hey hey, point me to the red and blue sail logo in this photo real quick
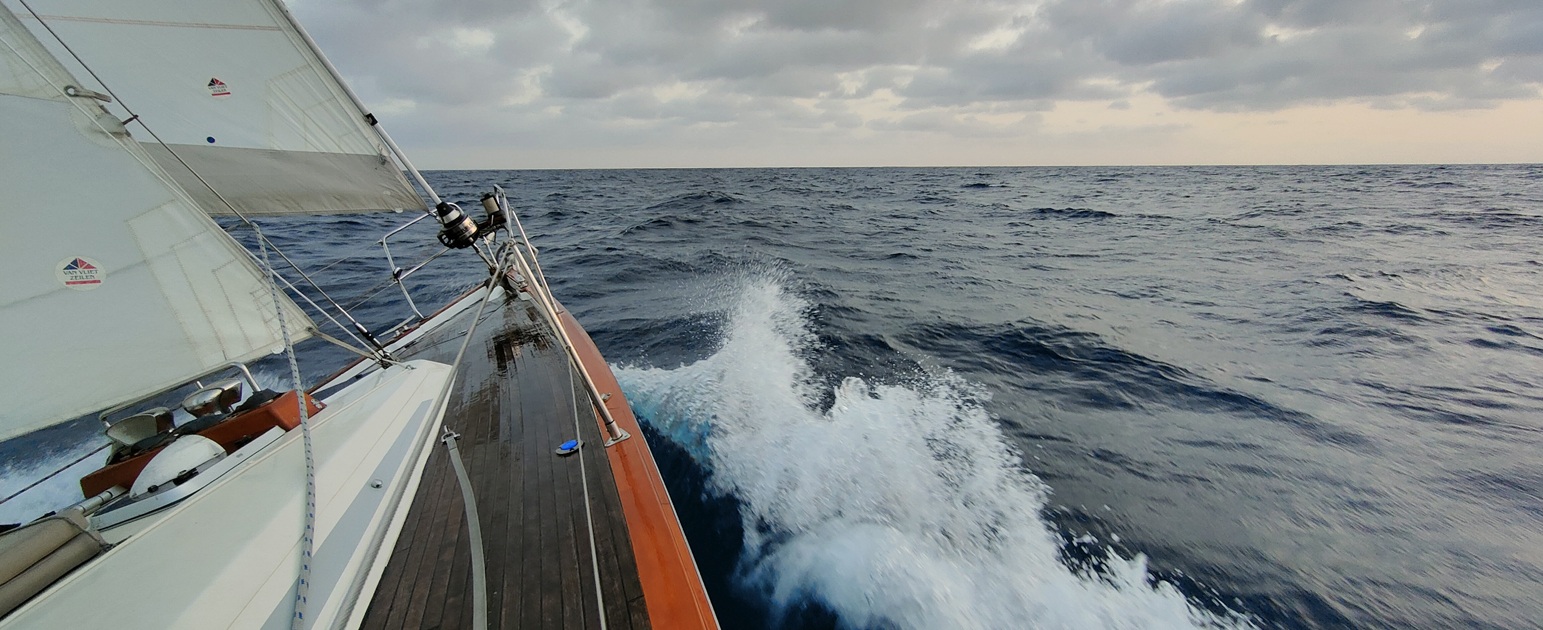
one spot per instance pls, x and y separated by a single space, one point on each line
218 87
80 273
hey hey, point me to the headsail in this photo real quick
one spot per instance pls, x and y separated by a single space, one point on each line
233 88
114 284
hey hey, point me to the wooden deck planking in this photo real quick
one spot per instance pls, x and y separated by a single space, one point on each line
513 403
622 598
667 573
494 486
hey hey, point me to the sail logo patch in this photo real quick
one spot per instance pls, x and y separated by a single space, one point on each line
79 273
218 88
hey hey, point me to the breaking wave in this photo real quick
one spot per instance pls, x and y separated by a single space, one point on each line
899 506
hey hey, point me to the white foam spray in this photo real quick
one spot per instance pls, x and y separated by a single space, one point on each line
901 506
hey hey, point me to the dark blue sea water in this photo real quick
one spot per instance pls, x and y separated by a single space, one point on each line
1299 397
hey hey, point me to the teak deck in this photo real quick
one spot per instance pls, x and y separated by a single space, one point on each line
513 403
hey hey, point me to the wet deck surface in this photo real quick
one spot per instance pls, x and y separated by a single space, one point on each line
513 404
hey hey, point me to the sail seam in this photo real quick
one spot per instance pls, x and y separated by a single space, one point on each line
95 115
163 175
309 45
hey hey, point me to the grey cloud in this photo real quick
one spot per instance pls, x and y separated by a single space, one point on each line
958 126
1521 71
790 83
1334 64
799 15
1142 33
591 78
808 64
1308 14
992 79
415 57
841 15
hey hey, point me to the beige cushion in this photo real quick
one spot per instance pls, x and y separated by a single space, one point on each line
37 555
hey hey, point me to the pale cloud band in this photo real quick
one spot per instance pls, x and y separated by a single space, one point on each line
814 82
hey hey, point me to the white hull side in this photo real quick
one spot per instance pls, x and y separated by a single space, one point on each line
229 556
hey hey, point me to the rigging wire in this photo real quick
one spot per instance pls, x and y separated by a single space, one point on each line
317 331
375 290
133 117
264 245
308 534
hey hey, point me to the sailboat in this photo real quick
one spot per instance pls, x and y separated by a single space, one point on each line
477 466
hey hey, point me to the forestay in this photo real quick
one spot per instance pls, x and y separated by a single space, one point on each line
115 285
233 89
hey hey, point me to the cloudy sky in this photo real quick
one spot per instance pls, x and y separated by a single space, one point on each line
668 83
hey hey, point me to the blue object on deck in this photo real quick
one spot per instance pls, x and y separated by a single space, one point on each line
567 448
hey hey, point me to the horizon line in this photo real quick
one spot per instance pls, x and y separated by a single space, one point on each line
985 166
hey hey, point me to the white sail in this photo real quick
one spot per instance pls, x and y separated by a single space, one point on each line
234 89
115 284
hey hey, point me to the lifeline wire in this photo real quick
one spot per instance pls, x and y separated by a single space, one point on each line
317 331
55 473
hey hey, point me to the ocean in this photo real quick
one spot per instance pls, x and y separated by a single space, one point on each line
1126 397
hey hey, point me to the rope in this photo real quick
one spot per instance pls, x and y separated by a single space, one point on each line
308 535
479 571
479 561
345 345
589 518
355 590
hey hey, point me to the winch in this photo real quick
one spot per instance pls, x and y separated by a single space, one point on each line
459 231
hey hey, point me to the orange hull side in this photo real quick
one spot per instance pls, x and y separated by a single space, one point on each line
672 587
